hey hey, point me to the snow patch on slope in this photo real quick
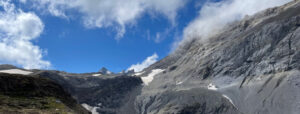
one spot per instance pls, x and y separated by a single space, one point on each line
15 71
229 99
139 73
212 87
148 79
90 108
108 72
178 83
96 75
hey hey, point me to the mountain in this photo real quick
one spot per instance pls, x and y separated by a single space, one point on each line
7 66
103 70
97 92
250 67
252 64
34 95
108 94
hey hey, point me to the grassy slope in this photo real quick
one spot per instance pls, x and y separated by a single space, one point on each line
34 95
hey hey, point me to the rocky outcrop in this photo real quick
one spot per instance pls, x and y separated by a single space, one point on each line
193 101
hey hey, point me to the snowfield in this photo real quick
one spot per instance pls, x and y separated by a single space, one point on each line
212 87
96 75
15 71
148 79
229 99
108 72
178 83
90 108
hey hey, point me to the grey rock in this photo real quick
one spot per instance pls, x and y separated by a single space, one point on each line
104 71
254 63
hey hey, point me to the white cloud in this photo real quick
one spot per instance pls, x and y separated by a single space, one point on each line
17 29
167 7
215 15
157 38
111 13
160 36
23 1
140 66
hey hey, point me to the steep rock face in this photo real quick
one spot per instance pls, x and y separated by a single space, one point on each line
254 63
193 101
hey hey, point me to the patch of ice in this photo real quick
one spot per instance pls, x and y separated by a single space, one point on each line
108 72
212 87
229 99
178 83
150 76
90 108
15 71
96 75
139 73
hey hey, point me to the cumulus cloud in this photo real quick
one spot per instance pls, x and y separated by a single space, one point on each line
213 16
17 29
167 7
147 62
111 13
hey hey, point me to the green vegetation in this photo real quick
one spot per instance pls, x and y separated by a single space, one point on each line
45 105
21 94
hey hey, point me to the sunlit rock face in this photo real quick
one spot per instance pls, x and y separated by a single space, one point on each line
103 94
254 65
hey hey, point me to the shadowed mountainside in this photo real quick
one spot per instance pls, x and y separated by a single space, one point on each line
30 94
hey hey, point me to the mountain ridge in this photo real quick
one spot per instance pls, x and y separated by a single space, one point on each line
252 66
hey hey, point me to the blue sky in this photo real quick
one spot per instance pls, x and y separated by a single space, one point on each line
72 47
83 36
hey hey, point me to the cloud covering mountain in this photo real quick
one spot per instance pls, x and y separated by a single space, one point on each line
213 16
147 62
21 24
